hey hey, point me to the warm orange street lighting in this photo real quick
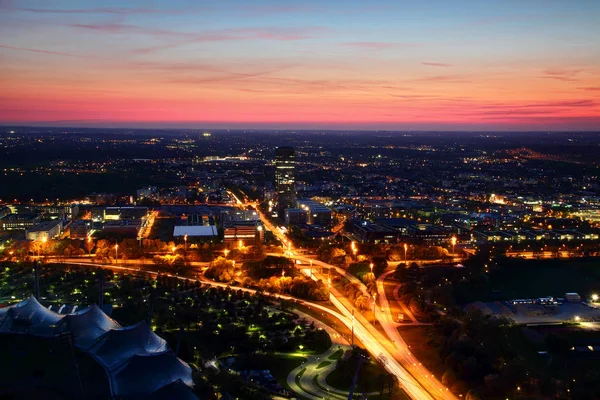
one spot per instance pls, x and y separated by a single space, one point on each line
226 252
185 240
405 249
117 253
240 244
371 265
173 249
453 241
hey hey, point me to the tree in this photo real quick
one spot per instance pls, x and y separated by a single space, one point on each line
449 377
472 395
401 272
102 247
89 245
329 253
380 264
363 302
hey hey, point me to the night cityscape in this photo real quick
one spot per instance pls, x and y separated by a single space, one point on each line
299 200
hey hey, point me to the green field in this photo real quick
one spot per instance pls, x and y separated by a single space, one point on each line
280 365
516 278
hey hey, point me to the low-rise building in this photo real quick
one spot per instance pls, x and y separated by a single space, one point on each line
45 230
196 231
295 216
19 221
366 232
240 215
249 233
148 192
79 229
317 213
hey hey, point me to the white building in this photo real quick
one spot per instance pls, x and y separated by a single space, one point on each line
45 230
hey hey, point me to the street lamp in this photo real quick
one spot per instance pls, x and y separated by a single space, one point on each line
226 252
453 241
352 327
173 249
595 297
405 249
44 240
371 265
89 240
117 253
185 241
374 297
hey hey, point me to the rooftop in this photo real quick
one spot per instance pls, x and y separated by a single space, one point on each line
201 230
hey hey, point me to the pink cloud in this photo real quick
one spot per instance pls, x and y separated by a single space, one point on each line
101 10
566 75
4 46
444 79
591 88
434 64
178 38
379 45
271 33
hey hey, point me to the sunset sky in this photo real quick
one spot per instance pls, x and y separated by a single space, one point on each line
401 65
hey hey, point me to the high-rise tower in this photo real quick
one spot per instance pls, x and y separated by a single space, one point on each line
285 165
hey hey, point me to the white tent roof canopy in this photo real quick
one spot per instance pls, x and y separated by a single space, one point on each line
88 325
150 372
137 361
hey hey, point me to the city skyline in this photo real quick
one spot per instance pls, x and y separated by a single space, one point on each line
519 65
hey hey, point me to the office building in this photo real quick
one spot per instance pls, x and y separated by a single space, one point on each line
296 216
240 215
45 230
317 213
19 221
285 165
249 233
79 229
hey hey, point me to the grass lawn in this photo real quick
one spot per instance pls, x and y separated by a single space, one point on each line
323 364
337 355
417 337
369 380
279 365
31 364
369 373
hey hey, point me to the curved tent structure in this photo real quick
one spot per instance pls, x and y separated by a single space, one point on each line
29 316
174 391
149 373
118 345
88 325
136 360
3 314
